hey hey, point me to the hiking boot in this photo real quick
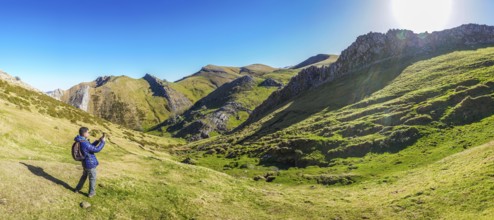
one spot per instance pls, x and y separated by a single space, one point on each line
91 195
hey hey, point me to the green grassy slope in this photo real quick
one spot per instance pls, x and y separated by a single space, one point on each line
427 110
138 180
206 80
124 100
130 102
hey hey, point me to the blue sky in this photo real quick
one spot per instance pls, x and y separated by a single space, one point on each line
57 44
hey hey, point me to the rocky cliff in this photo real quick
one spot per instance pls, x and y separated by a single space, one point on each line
80 98
373 48
177 102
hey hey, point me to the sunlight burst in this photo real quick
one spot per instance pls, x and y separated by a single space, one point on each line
422 15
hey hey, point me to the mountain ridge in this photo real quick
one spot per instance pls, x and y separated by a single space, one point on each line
371 48
149 108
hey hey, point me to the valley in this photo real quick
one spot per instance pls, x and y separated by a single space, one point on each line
398 126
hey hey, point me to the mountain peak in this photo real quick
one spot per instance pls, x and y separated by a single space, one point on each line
102 80
312 60
216 68
256 69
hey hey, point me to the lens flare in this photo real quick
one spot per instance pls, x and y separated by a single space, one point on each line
422 15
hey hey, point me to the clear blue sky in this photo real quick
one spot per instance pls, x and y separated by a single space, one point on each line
56 44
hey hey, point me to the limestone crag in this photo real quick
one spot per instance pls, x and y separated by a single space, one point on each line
80 99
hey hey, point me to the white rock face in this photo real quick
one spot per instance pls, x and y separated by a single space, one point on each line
81 98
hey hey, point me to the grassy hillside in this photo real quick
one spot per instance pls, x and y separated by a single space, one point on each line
206 80
137 180
129 102
123 100
367 126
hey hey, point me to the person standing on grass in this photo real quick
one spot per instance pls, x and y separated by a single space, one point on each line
90 162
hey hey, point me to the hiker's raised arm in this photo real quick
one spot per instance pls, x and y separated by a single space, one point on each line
95 149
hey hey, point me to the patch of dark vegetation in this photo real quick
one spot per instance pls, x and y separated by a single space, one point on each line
326 179
268 177
189 160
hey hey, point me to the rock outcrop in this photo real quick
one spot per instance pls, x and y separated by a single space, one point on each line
177 101
80 98
271 82
373 48
56 94
102 80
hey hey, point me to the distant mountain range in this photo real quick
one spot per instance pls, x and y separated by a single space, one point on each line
147 103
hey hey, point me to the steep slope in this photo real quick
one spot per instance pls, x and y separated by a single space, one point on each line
318 60
227 106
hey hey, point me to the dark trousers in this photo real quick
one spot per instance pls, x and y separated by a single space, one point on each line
92 180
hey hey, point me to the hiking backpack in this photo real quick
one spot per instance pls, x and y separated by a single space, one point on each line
77 152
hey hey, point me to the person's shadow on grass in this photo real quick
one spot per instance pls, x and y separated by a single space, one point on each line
38 171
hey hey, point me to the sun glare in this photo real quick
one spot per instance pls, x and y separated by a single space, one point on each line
422 15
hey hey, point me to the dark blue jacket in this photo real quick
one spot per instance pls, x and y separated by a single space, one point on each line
88 150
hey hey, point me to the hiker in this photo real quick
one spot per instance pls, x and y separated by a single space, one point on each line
89 163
